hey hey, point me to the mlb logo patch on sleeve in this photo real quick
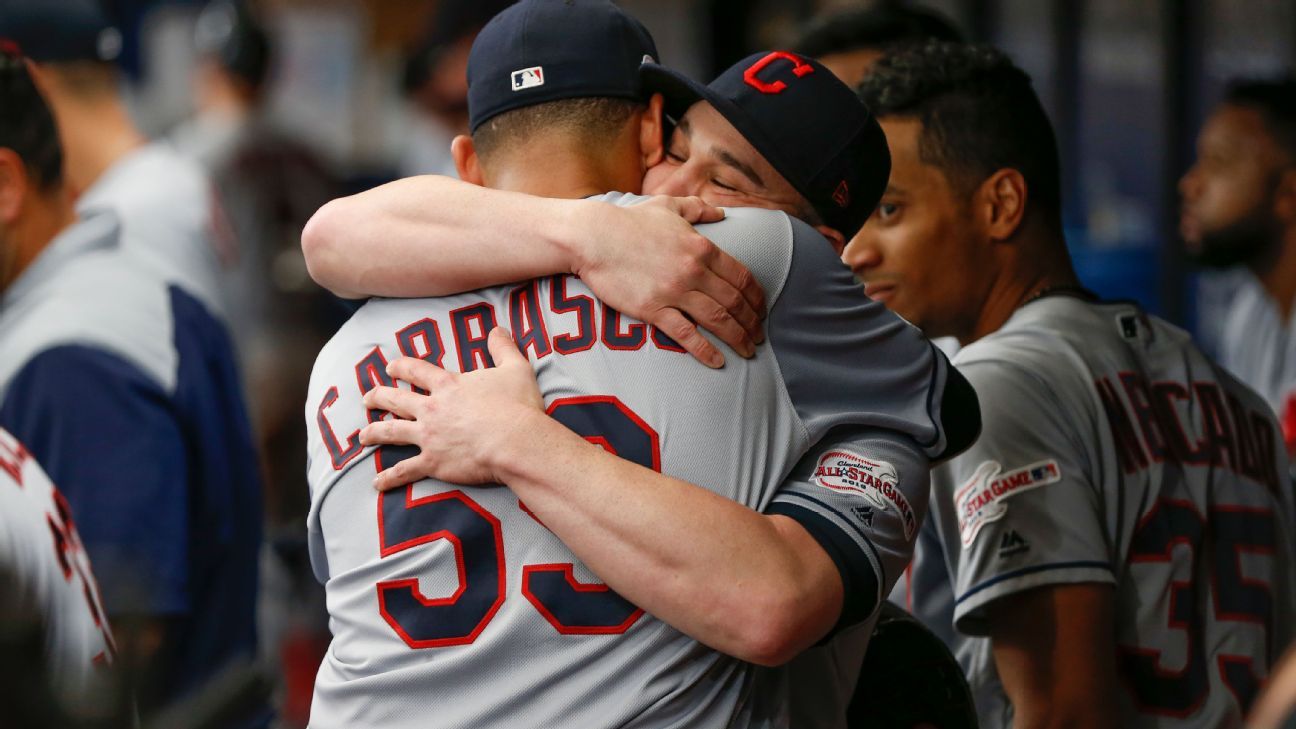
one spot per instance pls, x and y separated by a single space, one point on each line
850 473
983 498
528 78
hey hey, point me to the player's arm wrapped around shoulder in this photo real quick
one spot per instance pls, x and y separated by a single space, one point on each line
862 495
1021 508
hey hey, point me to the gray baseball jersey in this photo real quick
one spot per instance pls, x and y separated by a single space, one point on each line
1115 452
47 576
1259 347
170 215
454 607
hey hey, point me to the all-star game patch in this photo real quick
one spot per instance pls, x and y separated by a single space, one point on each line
850 473
983 498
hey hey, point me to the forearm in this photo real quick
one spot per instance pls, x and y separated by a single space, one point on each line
753 586
435 236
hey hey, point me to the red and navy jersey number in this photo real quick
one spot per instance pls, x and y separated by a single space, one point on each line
572 607
1221 536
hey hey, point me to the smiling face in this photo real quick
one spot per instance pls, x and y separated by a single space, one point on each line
709 158
921 253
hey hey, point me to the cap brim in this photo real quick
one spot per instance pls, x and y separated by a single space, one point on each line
678 91
681 92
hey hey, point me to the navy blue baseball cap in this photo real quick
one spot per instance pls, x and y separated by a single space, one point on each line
546 50
809 125
59 30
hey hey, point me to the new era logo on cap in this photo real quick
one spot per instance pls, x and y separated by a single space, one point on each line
528 78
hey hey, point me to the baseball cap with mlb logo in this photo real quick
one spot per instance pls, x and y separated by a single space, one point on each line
546 50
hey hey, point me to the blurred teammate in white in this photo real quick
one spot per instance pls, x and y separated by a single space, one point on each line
1119 540
759 586
1239 210
47 575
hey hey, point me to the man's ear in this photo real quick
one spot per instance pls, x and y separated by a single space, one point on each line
1000 203
466 161
834 237
13 186
651 129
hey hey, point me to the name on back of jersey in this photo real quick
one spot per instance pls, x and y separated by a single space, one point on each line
543 323
850 473
1193 423
983 499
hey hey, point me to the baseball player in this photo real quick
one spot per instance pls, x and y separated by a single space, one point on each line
48 576
1119 540
1238 202
425 592
166 203
123 387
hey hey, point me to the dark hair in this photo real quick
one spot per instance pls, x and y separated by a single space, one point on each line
228 32
1276 102
26 123
594 122
879 27
979 114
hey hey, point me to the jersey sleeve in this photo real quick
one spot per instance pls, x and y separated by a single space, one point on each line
848 361
1019 509
861 495
105 433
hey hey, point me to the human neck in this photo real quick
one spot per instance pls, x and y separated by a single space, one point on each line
561 172
1030 268
96 134
32 233
1279 277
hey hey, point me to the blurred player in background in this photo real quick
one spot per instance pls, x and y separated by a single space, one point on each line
47 575
164 201
436 83
1119 538
1239 208
850 41
583 630
123 386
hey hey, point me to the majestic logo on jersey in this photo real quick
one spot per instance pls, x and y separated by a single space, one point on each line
528 78
982 499
1012 543
851 473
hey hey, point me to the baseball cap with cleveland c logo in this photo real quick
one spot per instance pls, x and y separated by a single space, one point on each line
808 124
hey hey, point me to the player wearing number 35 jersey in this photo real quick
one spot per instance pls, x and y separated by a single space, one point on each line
1119 541
1167 480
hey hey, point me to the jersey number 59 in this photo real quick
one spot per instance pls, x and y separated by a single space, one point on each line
573 608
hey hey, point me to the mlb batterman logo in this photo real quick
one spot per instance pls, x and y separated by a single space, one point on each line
851 473
983 499
528 78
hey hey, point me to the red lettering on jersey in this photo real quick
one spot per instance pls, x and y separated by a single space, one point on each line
528 324
631 339
12 457
1129 451
1136 389
422 340
473 353
339 455
583 307
752 74
1231 436
1216 427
